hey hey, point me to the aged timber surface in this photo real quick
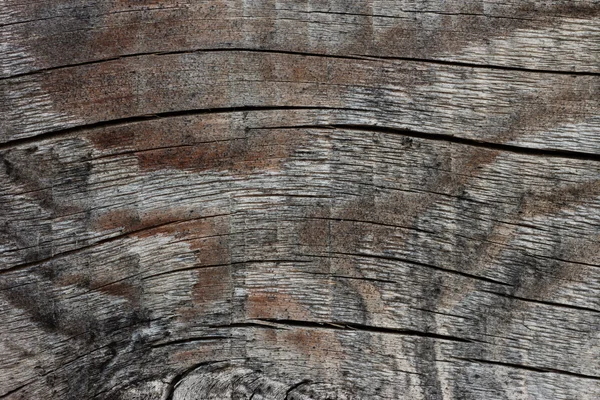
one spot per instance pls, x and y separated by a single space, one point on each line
300 200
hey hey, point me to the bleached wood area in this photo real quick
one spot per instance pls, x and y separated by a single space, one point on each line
317 199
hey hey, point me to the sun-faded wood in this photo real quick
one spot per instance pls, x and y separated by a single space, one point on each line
319 200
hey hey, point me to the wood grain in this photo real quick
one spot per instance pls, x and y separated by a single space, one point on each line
300 200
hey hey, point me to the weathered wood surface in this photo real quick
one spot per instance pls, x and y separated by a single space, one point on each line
300 200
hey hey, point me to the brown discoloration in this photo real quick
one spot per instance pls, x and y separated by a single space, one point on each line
211 251
545 281
151 20
163 133
212 286
415 37
112 29
457 167
392 231
314 233
194 228
557 199
177 222
210 295
101 91
562 9
373 221
207 239
402 208
60 278
199 145
275 305
313 344
259 151
119 139
124 219
468 165
545 110
370 294
351 236
78 315
127 290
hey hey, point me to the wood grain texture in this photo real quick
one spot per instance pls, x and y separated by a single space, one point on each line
300 200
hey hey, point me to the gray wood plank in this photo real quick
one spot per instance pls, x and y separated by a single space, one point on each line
299 200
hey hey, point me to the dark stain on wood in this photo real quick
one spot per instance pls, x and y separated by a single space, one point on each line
254 151
51 177
557 199
460 32
275 305
314 345
212 288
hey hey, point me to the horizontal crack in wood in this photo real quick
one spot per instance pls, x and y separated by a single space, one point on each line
351 326
156 116
98 243
543 302
568 154
190 340
529 368
362 57
421 264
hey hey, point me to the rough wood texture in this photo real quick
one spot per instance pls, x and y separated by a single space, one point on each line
300 200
